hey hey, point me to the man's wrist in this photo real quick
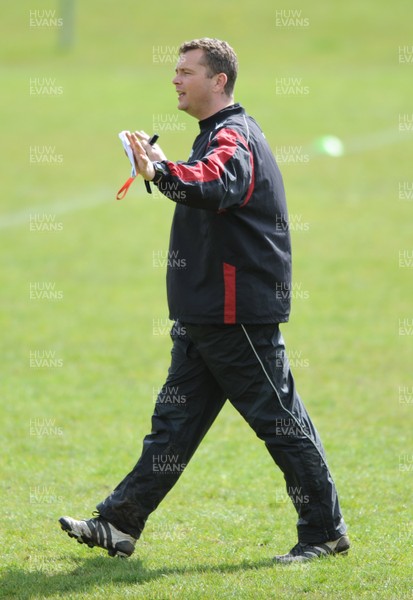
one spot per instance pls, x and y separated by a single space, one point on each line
160 171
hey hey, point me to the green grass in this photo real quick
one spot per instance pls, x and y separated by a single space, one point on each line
215 534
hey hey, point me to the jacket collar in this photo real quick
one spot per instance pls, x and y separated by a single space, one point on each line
221 115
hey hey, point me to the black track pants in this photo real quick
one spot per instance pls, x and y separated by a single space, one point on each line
248 365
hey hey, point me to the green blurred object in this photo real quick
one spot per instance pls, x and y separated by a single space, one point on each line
67 30
330 145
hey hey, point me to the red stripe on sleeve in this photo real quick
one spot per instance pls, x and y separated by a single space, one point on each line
230 294
212 166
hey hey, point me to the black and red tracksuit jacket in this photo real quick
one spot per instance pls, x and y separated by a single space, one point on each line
229 257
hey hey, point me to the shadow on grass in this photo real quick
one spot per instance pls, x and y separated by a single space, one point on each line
90 572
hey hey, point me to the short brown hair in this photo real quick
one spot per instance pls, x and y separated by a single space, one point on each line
219 58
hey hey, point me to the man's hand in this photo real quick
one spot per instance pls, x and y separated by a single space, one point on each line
154 152
143 163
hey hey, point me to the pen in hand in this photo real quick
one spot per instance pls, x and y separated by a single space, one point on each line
151 141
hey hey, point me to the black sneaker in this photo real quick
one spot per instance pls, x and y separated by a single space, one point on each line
98 532
306 552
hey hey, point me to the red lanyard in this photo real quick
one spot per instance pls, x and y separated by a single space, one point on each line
124 189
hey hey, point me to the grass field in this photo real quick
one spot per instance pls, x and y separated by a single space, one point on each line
84 314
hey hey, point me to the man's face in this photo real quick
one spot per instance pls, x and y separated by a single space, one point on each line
194 87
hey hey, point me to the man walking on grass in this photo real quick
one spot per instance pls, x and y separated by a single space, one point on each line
227 299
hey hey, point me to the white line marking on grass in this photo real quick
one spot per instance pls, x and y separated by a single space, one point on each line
375 140
369 141
93 198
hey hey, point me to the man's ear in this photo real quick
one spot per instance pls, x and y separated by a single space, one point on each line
221 82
